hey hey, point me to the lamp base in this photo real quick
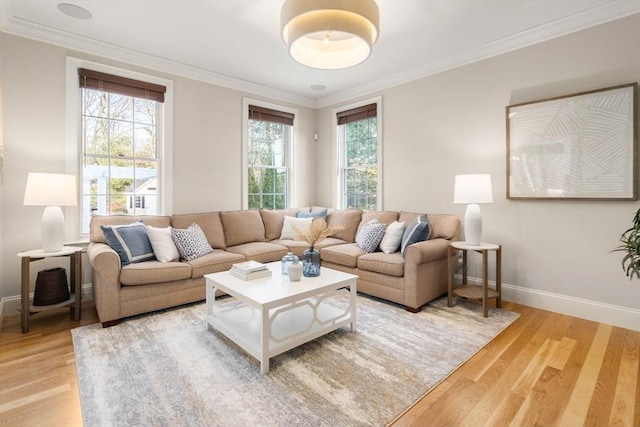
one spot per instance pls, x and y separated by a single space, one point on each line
473 225
52 229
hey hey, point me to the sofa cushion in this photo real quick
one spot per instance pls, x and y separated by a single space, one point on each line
379 262
349 218
418 231
162 243
273 221
346 254
445 226
149 272
130 241
242 227
213 262
260 251
209 222
191 242
383 217
96 234
301 224
370 236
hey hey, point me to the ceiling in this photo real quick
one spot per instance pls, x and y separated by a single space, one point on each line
237 43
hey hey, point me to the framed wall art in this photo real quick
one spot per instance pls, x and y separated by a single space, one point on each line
577 147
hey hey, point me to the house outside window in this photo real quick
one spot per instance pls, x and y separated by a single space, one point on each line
269 140
120 137
359 158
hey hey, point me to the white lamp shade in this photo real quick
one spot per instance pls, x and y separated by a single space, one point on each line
473 188
329 34
50 189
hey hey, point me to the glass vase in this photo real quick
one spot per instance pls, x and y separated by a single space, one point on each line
311 263
286 261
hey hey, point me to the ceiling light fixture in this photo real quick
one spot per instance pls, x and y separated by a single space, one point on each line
329 34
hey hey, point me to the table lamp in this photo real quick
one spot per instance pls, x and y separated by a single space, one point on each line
52 190
473 189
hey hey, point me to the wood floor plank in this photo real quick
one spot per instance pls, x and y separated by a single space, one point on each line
622 408
538 372
504 373
578 406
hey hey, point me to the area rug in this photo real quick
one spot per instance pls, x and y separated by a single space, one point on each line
167 369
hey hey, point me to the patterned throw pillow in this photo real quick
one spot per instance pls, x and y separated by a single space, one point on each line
130 241
417 231
191 242
370 236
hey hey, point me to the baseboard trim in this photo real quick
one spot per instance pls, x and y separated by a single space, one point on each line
9 306
615 315
610 314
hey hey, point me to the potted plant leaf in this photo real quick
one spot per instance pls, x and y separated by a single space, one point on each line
631 247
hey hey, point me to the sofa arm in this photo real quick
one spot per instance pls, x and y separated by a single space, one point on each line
427 251
105 278
425 272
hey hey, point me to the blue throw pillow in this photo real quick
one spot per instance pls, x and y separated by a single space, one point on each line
418 231
130 241
322 213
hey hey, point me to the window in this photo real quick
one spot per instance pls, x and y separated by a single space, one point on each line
359 158
120 139
268 154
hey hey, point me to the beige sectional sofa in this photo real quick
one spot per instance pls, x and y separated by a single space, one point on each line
235 236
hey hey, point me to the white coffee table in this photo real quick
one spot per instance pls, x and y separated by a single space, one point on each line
271 315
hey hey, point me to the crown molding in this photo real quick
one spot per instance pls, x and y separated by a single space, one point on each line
580 21
22 28
599 15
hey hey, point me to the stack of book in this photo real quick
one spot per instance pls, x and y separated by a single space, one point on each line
249 270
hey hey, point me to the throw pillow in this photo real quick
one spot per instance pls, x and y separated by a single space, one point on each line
130 241
370 236
162 244
322 213
417 231
288 232
191 242
392 237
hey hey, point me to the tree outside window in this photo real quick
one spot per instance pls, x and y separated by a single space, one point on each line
358 135
120 161
268 142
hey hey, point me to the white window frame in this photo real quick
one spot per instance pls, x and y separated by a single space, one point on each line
339 152
290 159
74 138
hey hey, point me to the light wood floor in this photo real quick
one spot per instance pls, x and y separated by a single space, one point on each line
546 369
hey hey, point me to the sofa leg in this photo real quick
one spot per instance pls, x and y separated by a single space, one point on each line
412 310
110 323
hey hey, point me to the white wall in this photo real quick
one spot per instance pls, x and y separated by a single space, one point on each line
207 138
454 123
556 254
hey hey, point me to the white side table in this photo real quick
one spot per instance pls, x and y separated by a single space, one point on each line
482 293
75 283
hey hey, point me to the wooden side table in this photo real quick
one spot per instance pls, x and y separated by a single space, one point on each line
75 283
482 293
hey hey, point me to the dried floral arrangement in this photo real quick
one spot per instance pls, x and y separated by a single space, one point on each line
318 231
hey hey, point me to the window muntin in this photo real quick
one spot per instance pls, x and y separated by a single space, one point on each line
269 137
120 160
359 160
